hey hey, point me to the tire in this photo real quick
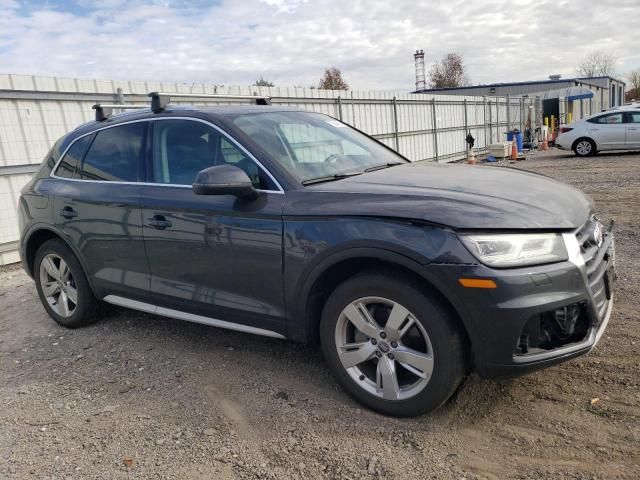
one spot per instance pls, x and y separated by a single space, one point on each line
58 286
389 350
584 147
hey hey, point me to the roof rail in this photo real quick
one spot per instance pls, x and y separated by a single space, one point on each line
103 112
160 100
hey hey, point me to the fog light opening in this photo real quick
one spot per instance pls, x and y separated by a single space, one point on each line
554 329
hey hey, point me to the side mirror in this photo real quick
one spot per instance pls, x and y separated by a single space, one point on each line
223 180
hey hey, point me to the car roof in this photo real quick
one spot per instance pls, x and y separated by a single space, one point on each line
619 109
622 108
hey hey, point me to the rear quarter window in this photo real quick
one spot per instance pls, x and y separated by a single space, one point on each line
69 167
116 154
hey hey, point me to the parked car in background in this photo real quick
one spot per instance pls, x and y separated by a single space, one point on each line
616 129
280 222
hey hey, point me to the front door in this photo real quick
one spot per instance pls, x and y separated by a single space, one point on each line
609 131
633 130
214 257
97 206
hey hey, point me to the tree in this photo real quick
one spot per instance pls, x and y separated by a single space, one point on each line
634 80
597 64
263 83
332 80
448 72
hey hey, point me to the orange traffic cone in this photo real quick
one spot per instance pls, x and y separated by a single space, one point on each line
514 149
471 160
545 143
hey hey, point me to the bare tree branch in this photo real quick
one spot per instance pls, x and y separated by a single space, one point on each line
597 64
634 80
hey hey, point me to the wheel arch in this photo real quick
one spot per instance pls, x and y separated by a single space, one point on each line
36 238
325 277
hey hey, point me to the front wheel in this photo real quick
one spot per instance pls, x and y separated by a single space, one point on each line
584 147
392 346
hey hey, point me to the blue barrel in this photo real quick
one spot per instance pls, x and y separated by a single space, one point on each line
518 135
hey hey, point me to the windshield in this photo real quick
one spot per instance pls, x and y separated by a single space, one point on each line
314 147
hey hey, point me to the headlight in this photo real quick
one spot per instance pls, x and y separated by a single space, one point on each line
516 250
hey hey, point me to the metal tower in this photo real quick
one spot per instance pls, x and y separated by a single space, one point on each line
420 79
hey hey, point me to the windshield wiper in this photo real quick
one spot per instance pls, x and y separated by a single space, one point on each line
330 178
384 165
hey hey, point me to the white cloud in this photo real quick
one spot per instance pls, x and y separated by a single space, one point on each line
291 41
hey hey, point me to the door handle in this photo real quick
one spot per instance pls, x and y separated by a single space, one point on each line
68 212
159 222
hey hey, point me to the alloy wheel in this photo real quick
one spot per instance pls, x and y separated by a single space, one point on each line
58 285
384 348
584 147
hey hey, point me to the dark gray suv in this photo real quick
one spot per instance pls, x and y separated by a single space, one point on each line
291 224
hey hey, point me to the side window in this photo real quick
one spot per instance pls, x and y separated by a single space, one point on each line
117 154
54 154
612 118
69 167
634 117
182 148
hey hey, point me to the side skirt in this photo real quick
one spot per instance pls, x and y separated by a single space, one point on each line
189 317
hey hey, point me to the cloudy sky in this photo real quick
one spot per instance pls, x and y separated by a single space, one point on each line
289 42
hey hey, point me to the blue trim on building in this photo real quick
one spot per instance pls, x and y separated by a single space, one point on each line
580 97
584 80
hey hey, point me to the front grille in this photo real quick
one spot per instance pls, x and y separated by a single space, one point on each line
596 258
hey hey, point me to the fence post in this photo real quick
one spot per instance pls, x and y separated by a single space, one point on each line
339 102
395 123
435 127
353 111
508 112
484 120
498 136
490 123
522 114
466 128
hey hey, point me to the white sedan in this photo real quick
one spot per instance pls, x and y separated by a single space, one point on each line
617 129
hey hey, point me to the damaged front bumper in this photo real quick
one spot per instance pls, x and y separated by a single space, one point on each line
540 316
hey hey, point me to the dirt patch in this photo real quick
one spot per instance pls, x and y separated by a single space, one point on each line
138 396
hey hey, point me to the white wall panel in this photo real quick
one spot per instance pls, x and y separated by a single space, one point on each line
29 126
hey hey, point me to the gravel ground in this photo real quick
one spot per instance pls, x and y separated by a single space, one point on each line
137 396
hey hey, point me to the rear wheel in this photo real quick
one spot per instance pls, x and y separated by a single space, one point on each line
392 346
62 286
584 147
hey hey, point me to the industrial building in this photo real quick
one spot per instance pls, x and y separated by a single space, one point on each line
559 96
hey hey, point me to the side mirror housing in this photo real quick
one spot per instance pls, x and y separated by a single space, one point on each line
223 180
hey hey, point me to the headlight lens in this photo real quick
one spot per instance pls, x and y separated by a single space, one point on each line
516 250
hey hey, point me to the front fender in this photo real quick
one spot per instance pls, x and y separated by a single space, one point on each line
312 247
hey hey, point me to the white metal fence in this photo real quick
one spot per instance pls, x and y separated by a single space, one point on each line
36 111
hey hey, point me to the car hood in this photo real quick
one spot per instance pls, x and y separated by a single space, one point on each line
459 196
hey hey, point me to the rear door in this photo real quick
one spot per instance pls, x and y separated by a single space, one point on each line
633 130
213 258
97 207
608 130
